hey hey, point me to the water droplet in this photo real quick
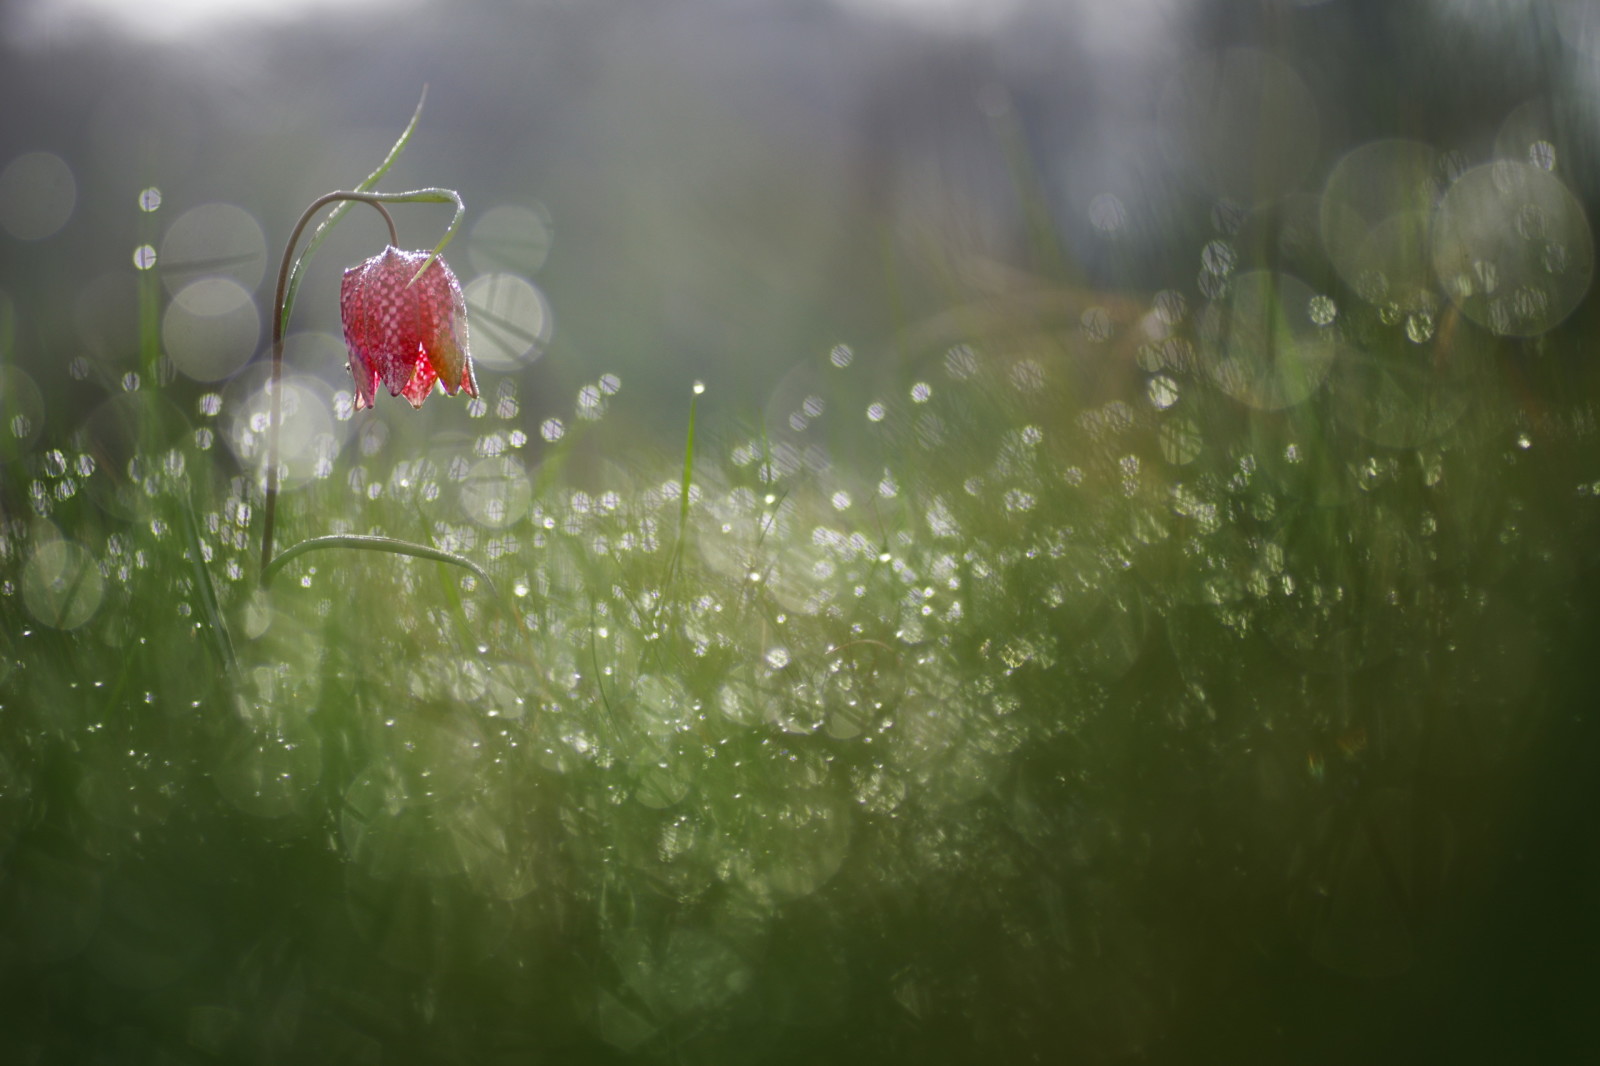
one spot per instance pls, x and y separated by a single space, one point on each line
1218 258
1017 501
1531 222
144 257
588 398
1162 391
37 195
1487 276
1170 306
1555 258
1096 324
1211 286
150 199
961 362
1419 327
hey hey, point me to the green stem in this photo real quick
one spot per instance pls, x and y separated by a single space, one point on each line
280 317
374 544
284 302
366 185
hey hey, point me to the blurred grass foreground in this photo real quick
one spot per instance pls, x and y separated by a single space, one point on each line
1078 673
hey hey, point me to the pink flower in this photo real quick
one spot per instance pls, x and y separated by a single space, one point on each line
406 334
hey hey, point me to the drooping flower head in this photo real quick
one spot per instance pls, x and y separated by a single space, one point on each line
405 334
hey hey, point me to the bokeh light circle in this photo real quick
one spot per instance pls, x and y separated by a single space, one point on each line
37 195
309 438
129 435
496 492
1260 344
21 411
1512 248
511 238
509 319
211 328
61 585
319 354
1377 205
213 239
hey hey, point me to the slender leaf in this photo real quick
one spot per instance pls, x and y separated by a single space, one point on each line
321 232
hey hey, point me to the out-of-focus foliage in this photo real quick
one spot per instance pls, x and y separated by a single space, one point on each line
1164 637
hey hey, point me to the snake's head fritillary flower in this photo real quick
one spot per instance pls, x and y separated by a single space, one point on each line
405 334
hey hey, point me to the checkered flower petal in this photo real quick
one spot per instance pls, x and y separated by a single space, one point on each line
404 334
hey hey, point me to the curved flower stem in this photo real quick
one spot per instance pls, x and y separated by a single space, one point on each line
288 281
377 544
280 318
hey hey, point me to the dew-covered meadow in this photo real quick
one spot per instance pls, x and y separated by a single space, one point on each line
1105 662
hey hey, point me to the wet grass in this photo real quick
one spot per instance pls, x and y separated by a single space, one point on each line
1009 699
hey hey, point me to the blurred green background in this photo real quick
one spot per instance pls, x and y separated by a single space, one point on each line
1125 592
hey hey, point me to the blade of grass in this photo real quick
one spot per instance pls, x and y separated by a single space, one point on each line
451 591
675 561
374 544
319 234
600 680
221 641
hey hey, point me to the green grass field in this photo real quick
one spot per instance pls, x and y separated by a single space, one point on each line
1071 675
967 708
